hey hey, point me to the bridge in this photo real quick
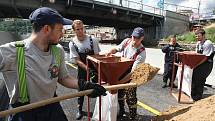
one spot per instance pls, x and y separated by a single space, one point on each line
123 15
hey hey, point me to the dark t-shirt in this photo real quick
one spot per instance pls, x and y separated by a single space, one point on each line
169 52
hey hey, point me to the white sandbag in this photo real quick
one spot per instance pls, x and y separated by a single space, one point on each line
108 108
187 79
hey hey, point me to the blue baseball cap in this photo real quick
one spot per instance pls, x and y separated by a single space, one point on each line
48 16
138 32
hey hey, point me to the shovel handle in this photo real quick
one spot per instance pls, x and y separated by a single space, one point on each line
60 98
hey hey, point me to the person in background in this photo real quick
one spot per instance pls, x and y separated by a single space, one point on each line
44 67
81 46
131 48
169 51
202 71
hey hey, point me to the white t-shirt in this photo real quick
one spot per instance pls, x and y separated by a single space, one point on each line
83 46
39 67
129 51
206 46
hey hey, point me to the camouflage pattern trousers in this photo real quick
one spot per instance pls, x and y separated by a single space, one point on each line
129 95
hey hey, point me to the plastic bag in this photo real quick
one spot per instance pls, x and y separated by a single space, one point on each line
108 107
187 79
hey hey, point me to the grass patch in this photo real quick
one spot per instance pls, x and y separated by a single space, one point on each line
189 37
210 34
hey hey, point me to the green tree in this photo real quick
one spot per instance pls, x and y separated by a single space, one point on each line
19 26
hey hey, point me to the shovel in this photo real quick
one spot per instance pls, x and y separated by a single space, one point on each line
60 98
143 73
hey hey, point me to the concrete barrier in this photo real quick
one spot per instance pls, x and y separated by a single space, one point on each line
6 37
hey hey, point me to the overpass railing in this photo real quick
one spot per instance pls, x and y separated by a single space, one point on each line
134 5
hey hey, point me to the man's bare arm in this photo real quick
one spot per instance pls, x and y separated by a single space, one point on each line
69 82
112 51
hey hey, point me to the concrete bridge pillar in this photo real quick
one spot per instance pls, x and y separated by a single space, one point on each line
122 34
152 34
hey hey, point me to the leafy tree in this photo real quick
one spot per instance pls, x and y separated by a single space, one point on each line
19 26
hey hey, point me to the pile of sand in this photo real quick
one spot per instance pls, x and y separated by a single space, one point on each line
202 110
143 73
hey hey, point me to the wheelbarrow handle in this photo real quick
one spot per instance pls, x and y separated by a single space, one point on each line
60 98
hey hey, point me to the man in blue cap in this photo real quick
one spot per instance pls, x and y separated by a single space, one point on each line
35 77
131 48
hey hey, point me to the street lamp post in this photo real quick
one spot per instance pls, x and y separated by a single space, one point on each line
199 10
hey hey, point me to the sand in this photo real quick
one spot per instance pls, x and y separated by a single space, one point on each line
143 73
202 110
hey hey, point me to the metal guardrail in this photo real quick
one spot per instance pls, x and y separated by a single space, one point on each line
134 5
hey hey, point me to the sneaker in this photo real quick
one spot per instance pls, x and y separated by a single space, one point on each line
164 85
79 115
122 113
133 118
174 86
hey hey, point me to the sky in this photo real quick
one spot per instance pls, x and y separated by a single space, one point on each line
206 6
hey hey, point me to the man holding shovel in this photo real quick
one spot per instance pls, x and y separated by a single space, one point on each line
131 48
33 67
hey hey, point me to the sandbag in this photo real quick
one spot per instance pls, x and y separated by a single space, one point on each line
108 107
187 79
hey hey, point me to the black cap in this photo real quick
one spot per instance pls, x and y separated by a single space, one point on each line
45 15
138 32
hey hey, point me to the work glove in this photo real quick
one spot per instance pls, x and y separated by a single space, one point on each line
98 90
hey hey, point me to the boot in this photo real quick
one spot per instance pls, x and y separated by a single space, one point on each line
132 114
164 85
121 107
79 114
173 86
122 112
